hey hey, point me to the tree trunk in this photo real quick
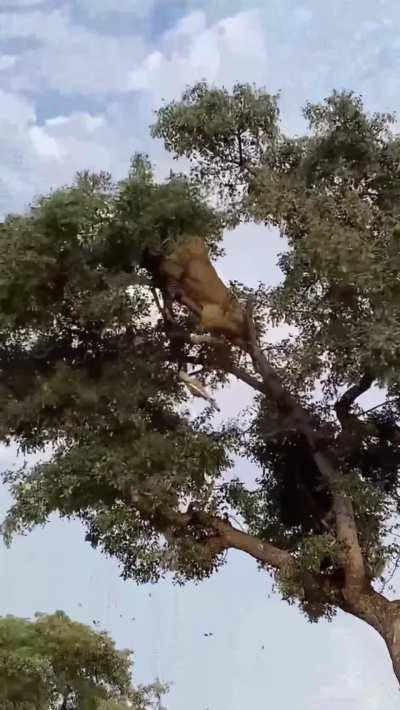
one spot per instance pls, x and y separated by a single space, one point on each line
384 616
391 637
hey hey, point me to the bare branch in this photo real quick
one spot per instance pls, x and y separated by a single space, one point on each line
241 159
272 386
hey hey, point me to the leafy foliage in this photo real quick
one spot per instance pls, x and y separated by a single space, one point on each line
53 662
85 372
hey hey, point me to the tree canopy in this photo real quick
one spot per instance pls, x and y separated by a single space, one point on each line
89 360
54 662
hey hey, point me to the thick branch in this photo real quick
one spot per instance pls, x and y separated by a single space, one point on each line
352 558
218 535
273 387
245 377
166 519
346 401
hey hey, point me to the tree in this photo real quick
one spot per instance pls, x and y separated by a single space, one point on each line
53 662
85 371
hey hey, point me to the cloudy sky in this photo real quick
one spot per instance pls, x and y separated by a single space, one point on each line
79 81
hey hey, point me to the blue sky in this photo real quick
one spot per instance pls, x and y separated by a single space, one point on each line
79 82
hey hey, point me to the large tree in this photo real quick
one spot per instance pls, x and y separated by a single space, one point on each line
94 340
54 662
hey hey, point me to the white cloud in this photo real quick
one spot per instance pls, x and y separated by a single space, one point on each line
20 3
45 145
193 51
37 157
34 24
191 24
69 57
99 8
7 61
15 110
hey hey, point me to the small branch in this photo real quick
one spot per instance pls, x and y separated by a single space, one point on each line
391 575
242 162
354 428
382 404
157 301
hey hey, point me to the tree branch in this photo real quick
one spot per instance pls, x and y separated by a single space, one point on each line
242 162
241 159
272 386
245 377
222 535
346 529
346 401
167 519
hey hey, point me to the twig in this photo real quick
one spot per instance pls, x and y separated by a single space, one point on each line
393 572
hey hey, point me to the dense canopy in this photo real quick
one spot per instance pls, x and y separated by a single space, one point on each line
90 357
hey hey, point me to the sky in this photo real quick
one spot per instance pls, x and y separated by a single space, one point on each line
79 82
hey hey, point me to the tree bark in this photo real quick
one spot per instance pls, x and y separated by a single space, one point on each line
393 645
391 633
384 616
